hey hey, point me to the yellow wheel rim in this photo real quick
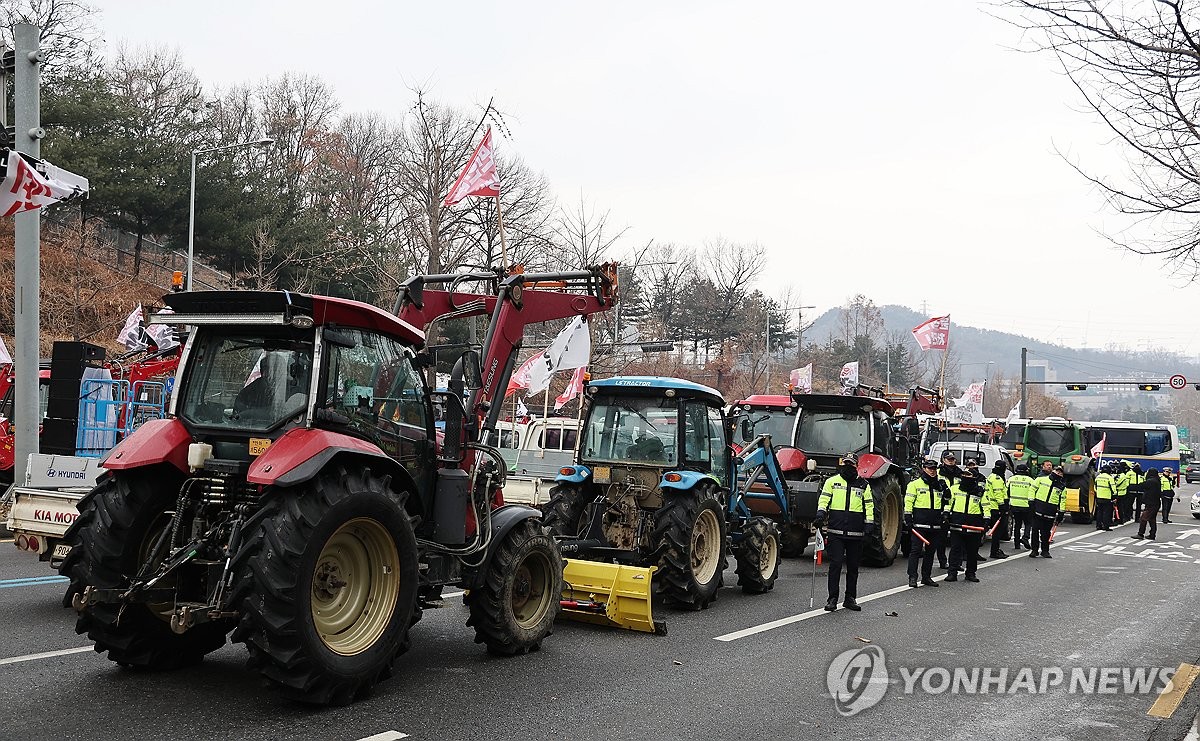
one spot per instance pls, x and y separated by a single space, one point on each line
768 555
531 593
706 546
355 586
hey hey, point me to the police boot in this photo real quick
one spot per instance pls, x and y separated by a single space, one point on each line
831 604
999 554
952 576
972 577
930 583
850 604
912 582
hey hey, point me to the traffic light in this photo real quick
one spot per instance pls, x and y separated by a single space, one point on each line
1076 387
1148 387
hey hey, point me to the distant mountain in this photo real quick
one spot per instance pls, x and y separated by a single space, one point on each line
976 347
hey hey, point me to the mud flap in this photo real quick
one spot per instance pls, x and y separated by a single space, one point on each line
614 595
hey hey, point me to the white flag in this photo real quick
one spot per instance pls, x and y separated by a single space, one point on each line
26 189
849 377
131 333
1013 414
163 334
571 349
522 410
800 380
5 358
968 408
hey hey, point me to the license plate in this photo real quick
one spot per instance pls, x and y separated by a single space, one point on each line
602 474
259 445
62 550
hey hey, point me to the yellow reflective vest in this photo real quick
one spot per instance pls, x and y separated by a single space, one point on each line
1106 486
996 491
924 502
849 508
1020 491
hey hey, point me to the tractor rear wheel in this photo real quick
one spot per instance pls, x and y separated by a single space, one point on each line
794 540
119 522
690 527
514 608
758 555
327 582
566 512
881 547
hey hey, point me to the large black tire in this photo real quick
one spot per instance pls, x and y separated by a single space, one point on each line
1086 484
794 540
514 608
690 527
109 540
881 547
758 554
566 510
309 635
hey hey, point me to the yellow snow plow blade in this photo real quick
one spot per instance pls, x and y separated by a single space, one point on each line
609 594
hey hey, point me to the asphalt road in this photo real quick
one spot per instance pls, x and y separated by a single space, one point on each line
1105 602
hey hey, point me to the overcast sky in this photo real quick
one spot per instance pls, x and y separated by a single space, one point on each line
903 150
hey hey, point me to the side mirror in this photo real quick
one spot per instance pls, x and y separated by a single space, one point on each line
747 428
468 363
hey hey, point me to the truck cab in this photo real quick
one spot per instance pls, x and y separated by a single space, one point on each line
535 451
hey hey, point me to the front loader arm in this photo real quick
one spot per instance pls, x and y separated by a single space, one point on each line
519 300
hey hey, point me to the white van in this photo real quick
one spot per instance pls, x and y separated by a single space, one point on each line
986 455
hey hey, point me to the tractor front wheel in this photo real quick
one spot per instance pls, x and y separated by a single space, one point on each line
690 529
794 540
327 582
566 512
514 608
119 522
881 547
758 555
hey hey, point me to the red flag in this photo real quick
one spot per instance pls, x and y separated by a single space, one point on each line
1098 448
574 388
520 378
933 334
479 177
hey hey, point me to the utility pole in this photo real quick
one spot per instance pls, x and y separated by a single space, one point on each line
26 60
800 334
1024 396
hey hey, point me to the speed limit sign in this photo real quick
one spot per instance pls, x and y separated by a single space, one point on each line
1177 382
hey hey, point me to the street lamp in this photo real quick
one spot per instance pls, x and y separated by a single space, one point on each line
192 201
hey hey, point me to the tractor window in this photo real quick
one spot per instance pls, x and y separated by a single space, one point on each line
1050 441
695 434
375 385
833 433
1014 433
632 429
247 381
774 422
716 430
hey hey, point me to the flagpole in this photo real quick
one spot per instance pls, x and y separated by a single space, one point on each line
942 383
503 241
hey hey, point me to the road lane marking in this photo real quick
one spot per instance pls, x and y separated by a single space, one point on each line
809 615
385 736
9 540
46 655
1169 699
32 581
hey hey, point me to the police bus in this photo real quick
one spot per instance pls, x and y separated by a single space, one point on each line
1151 445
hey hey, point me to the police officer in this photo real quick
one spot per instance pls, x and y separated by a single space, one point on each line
923 514
968 513
1106 491
1122 478
847 507
996 491
973 469
1047 501
1020 497
948 473
1168 493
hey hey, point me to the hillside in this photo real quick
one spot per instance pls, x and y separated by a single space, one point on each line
83 297
975 347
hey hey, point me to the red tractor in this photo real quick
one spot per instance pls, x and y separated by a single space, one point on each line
296 496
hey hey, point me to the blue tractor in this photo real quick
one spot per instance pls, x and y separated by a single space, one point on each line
654 484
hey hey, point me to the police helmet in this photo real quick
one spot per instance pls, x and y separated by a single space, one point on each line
1022 468
848 459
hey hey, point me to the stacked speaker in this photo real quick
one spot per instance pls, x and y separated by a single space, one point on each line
68 361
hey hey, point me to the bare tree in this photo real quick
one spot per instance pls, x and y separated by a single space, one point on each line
1137 65
68 32
583 237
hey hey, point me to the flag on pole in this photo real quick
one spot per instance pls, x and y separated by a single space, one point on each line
800 379
520 378
1013 414
1098 448
163 334
5 358
574 388
522 410
933 334
131 334
26 189
968 408
849 377
479 177
571 349
818 544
